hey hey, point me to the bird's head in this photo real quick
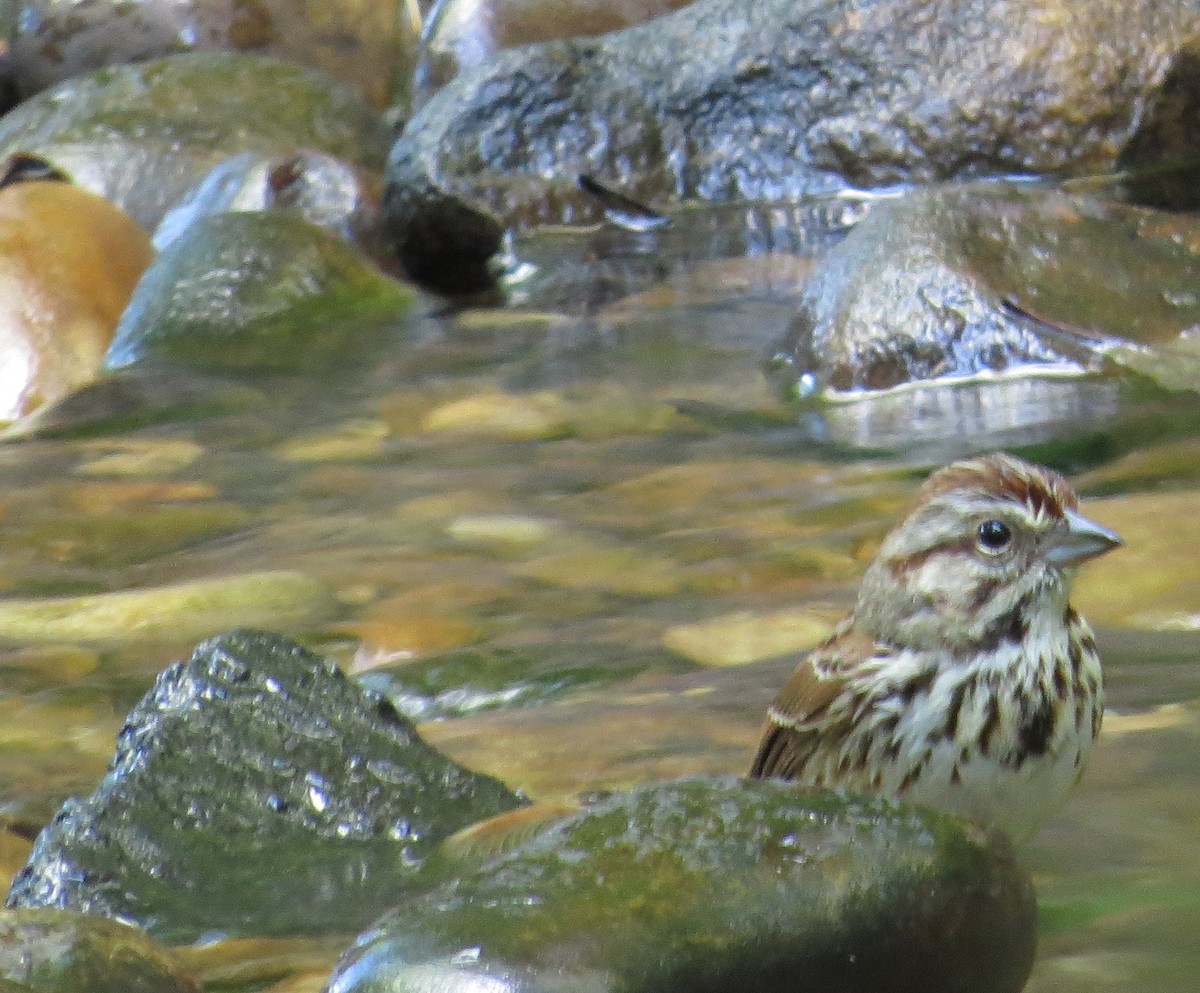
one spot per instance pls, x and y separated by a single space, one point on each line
990 543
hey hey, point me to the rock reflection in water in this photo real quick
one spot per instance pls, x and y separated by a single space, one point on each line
966 417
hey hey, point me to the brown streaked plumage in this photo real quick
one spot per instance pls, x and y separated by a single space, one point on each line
963 679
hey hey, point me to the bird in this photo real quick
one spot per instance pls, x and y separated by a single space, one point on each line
962 680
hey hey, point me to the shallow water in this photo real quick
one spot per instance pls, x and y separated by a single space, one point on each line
599 506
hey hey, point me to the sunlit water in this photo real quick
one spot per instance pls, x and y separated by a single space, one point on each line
574 484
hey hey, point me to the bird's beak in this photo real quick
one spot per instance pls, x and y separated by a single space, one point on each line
1079 541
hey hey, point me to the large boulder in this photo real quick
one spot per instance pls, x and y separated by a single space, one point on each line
727 100
255 790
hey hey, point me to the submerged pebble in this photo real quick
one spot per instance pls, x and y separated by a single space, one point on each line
175 612
744 637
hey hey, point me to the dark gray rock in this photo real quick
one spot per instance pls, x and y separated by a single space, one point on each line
255 790
714 885
952 282
729 100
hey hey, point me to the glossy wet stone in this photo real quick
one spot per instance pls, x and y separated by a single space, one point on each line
255 790
69 262
256 290
718 884
143 135
322 189
951 282
727 101
52 951
461 34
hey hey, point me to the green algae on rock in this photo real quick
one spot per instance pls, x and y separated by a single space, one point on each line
53 951
255 790
715 885
329 192
256 291
142 135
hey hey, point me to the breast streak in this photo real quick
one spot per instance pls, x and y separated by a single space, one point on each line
992 742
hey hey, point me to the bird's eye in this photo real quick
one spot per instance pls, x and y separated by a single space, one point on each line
994 536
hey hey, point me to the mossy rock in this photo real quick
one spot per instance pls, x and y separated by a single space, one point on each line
256 291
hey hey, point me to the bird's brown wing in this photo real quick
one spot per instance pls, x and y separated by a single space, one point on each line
799 721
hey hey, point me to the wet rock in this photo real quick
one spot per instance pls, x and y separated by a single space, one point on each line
324 190
460 34
725 101
255 790
69 261
52 951
951 282
143 135
256 290
362 42
711 885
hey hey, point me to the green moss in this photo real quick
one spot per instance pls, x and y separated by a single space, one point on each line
257 291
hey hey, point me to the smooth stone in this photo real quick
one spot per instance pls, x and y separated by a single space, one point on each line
407 637
504 532
501 415
717 884
578 564
257 291
255 790
338 196
102 496
143 135
366 43
125 535
69 262
978 280
727 101
141 457
745 637
357 440
177 612
52 951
